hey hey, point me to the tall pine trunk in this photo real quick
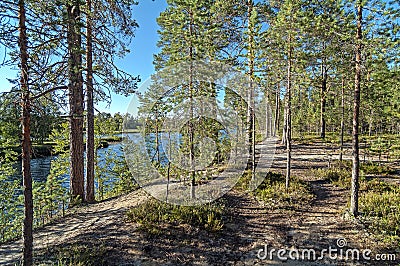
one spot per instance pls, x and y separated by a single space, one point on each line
250 101
323 95
277 109
356 113
267 116
75 101
26 139
191 129
342 123
323 104
289 115
285 118
90 154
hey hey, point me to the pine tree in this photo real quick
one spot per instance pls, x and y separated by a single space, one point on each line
386 12
356 112
321 24
102 48
26 137
286 32
74 39
189 32
90 153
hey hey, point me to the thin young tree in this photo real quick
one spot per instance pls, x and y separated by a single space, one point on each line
287 27
289 111
189 33
250 45
356 112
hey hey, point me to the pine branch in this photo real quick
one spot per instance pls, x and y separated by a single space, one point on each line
49 91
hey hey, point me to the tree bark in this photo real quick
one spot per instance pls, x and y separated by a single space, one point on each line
90 154
289 115
26 139
75 102
342 124
277 109
323 96
356 113
250 95
191 129
323 106
267 116
285 118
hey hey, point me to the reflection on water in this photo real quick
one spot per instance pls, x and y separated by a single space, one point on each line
40 167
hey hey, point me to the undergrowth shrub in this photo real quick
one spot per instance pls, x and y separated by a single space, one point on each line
380 209
76 254
153 214
340 173
272 191
370 168
338 176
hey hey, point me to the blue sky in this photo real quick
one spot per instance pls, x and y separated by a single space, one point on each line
138 62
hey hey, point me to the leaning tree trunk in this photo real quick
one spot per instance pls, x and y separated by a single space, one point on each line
26 139
356 113
90 154
75 102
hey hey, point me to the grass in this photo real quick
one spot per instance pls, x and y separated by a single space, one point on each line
272 191
77 254
153 215
330 137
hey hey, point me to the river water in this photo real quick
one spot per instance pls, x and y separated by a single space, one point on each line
40 167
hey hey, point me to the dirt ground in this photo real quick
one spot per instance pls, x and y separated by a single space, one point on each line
250 230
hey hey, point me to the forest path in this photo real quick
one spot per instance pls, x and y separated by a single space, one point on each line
101 233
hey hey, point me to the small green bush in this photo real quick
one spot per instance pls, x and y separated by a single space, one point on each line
375 169
272 191
76 254
381 212
152 214
377 186
339 176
